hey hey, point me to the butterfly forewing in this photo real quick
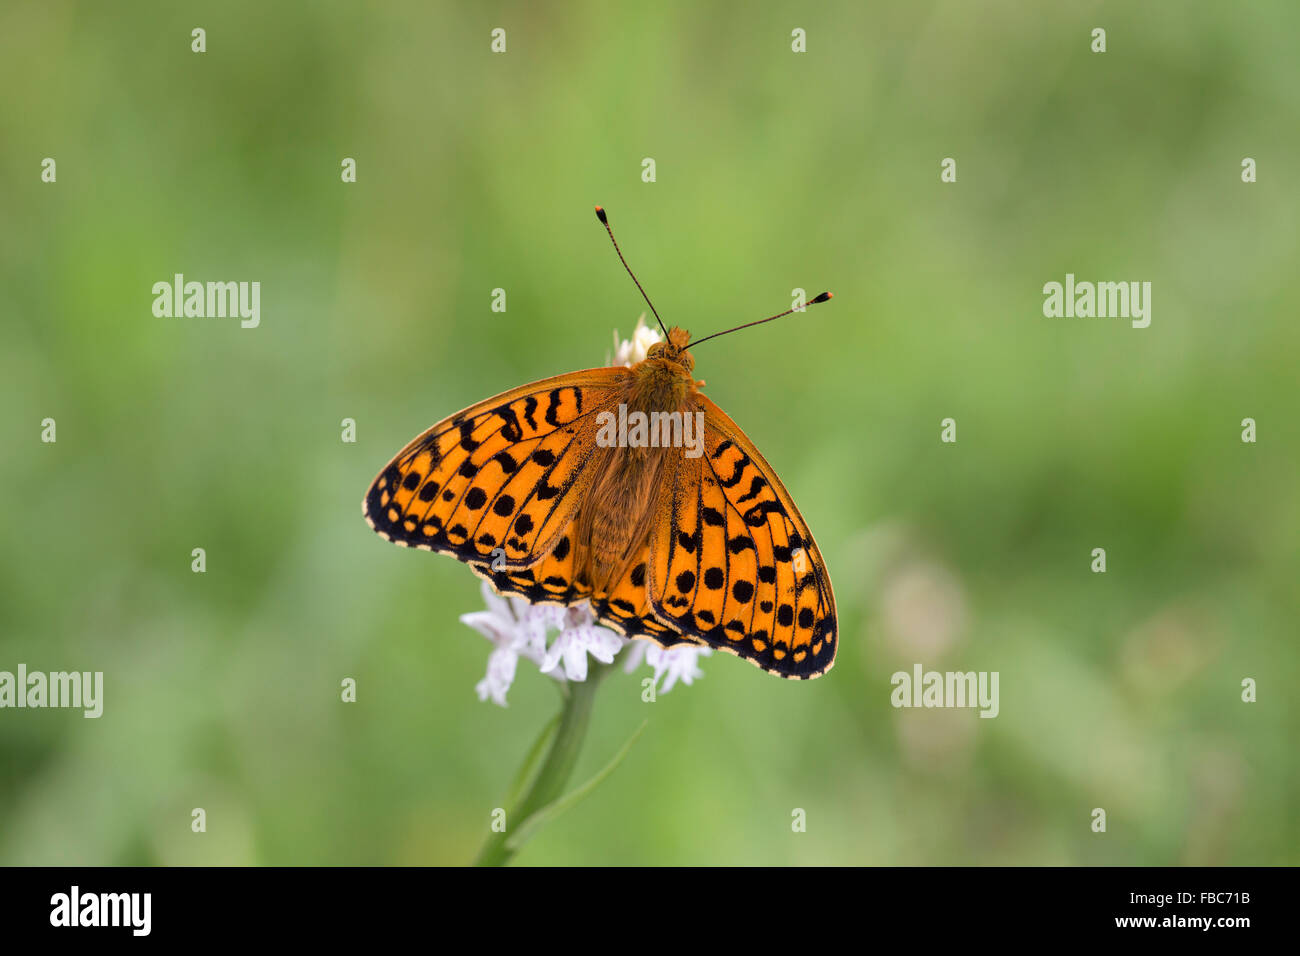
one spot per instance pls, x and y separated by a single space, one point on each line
500 479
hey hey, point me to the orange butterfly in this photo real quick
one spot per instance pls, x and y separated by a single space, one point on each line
628 488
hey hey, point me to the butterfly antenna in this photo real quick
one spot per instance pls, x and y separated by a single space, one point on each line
604 221
824 297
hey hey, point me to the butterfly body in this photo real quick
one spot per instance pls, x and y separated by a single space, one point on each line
620 503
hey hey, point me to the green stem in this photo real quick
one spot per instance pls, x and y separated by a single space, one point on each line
555 771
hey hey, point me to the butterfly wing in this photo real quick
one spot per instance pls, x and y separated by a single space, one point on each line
497 484
732 562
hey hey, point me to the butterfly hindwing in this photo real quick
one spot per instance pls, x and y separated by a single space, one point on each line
733 563
626 606
552 580
502 476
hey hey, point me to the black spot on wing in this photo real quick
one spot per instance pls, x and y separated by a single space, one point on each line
509 423
467 441
553 407
755 486
739 543
757 515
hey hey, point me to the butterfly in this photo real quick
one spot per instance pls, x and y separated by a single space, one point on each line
669 522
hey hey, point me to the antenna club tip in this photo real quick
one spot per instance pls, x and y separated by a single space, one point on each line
600 214
824 297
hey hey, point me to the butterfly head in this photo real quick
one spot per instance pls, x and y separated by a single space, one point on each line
673 350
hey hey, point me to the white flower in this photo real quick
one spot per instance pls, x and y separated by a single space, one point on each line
582 636
500 675
513 623
629 352
679 662
518 629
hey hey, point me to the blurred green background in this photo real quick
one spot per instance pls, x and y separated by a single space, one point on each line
775 170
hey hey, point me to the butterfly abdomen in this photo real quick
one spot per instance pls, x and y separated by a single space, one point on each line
615 524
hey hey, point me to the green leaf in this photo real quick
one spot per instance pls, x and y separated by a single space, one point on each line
552 810
528 769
